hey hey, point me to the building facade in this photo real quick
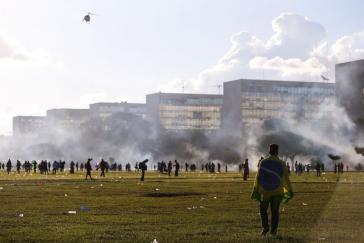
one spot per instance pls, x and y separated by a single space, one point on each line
350 89
185 111
28 125
67 118
249 102
106 109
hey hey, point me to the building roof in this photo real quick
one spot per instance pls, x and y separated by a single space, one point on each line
360 61
29 117
279 82
185 95
116 104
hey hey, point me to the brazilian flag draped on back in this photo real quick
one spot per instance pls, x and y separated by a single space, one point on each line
272 180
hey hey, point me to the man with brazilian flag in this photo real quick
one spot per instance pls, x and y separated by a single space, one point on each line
271 187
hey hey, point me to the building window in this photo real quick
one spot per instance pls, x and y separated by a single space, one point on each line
197 115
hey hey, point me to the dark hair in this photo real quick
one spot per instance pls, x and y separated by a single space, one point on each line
273 149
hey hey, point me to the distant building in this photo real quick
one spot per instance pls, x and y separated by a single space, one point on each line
67 118
350 89
185 111
248 102
106 109
27 125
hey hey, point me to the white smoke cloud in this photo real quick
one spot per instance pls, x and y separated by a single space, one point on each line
21 69
348 48
10 48
290 67
13 53
297 50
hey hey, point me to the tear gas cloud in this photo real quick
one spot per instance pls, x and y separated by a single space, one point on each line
130 138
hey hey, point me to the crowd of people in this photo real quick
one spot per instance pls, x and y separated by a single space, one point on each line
266 190
48 167
339 168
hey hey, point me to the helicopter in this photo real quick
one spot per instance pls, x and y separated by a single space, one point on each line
87 17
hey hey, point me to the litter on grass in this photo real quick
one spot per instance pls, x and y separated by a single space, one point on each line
85 208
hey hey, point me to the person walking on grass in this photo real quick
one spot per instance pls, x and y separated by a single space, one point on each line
88 168
176 164
271 187
18 166
103 165
72 167
8 166
246 170
143 167
169 168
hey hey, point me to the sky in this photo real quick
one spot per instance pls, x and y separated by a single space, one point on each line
50 58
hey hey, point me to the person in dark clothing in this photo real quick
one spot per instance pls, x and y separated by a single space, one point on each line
103 165
318 169
176 164
77 166
34 164
169 168
88 168
72 167
18 166
143 167
246 170
8 166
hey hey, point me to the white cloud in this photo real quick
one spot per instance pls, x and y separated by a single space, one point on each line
295 36
297 50
349 47
289 67
14 55
10 48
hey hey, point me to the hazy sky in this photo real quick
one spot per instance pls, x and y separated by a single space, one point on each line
49 58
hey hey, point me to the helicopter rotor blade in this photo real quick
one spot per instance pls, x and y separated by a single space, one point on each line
91 13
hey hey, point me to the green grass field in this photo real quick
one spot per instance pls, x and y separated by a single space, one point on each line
195 207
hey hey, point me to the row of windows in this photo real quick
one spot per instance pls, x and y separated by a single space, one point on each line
182 127
193 101
288 99
189 108
288 94
190 121
279 106
284 89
